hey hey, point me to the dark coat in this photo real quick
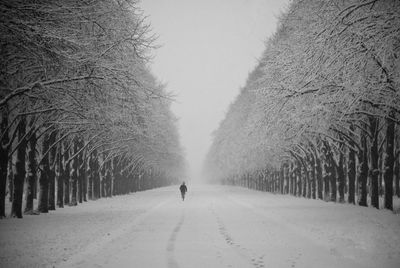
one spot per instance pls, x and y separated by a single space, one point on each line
183 188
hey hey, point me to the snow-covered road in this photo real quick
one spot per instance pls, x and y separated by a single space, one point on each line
216 226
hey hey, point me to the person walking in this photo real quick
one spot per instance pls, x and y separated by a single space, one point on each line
183 190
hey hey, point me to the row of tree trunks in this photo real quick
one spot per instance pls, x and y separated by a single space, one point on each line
323 177
65 181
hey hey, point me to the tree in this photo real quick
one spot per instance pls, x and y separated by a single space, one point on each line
324 91
82 73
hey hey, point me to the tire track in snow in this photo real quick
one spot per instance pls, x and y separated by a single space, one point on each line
172 263
294 258
257 262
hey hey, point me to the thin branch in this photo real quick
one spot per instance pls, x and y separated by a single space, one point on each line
41 84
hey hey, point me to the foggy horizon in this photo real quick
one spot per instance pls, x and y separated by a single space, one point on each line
206 62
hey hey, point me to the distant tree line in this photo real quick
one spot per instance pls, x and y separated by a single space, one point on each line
319 115
82 117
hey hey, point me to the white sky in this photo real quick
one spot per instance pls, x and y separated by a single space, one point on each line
208 49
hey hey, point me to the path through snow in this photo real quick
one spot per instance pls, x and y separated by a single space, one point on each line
215 226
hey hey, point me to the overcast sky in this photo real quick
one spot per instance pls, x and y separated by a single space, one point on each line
208 47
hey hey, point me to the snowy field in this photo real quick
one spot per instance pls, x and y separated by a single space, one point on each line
216 226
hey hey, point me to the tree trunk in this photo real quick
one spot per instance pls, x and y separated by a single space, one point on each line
341 178
51 171
326 182
19 171
318 174
380 176
115 177
10 178
108 183
313 177
287 178
111 180
74 188
80 186
351 172
84 178
374 167
96 183
43 178
295 177
60 178
389 161
333 179
31 174
134 183
80 171
300 180
397 177
3 160
363 172
95 176
308 172
74 177
89 175
291 178
66 175
282 179
102 181
305 180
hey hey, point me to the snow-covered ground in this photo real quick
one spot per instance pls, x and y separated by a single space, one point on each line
216 226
